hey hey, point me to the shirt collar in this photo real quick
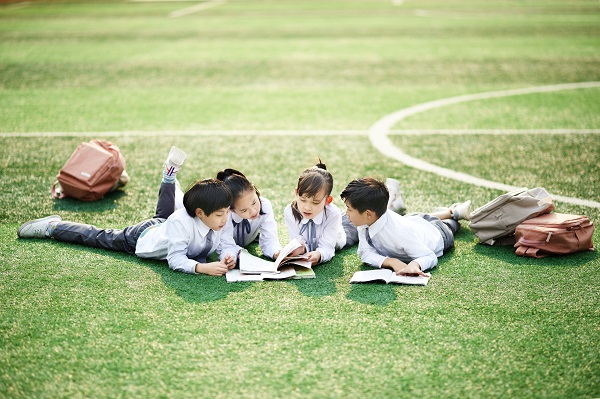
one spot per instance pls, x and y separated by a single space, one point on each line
235 217
317 219
378 225
201 227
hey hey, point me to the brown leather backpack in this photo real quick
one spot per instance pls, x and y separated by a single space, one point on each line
94 169
554 234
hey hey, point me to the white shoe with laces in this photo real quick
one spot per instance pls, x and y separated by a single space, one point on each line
38 228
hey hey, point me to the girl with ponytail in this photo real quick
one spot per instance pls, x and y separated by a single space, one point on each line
313 219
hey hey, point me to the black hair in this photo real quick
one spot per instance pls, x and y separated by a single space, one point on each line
367 193
209 195
238 184
311 182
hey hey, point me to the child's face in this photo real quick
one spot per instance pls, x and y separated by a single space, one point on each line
357 218
216 220
312 206
247 205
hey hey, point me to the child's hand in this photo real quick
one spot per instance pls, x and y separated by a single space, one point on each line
229 261
212 269
314 257
298 251
412 269
276 255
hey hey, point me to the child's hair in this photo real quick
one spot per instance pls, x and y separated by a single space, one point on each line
208 195
311 182
366 193
238 184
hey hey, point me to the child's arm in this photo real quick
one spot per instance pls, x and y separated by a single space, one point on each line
227 249
410 269
212 269
179 233
332 223
269 237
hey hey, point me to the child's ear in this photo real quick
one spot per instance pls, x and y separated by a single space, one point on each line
199 213
329 199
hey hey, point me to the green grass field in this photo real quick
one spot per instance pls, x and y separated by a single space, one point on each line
80 322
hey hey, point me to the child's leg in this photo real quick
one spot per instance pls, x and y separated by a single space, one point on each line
166 195
112 239
166 201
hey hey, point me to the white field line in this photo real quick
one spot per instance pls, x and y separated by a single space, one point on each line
191 133
196 8
378 133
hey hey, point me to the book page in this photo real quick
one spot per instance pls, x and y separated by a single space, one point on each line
413 280
284 272
371 275
234 275
285 251
250 264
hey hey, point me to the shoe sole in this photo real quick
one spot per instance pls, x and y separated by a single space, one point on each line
25 225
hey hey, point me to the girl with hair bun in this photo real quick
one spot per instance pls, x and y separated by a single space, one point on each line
313 219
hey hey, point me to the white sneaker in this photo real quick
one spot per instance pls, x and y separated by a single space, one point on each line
37 228
461 211
173 163
176 157
395 203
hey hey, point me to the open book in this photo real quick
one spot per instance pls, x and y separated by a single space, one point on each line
387 276
250 264
254 268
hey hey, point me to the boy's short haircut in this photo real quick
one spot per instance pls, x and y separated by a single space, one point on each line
209 195
367 193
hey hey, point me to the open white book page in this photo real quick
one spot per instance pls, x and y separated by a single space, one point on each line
285 251
235 275
250 264
387 276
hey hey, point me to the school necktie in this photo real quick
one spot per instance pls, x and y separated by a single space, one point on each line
207 245
241 229
311 235
369 241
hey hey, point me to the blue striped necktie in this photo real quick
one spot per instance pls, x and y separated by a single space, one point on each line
369 237
311 234
241 229
207 245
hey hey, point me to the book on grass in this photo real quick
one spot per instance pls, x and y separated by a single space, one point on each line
387 276
285 272
250 264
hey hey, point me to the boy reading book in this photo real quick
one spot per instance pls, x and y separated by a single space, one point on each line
410 244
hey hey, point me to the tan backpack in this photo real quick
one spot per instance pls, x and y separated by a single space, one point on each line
495 222
94 169
554 234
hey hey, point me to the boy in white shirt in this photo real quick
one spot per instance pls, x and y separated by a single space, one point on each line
409 245
185 238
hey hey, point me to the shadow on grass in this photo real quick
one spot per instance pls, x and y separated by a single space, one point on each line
506 253
109 202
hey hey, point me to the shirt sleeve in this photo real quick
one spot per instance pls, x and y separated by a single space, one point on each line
269 237
367 253
227 245
180 235
417 251
331 225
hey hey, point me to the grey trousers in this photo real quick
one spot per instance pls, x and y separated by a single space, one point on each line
447 228
123 240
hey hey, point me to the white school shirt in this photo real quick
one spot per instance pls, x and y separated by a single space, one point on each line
181 238
406 238
328 228
264 224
